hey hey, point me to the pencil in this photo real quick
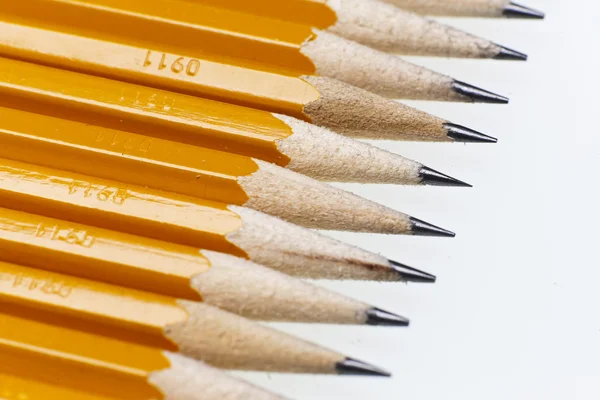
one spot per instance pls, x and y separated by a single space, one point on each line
221 280
190 328
245 40
307 149
194 222
83 362
379 25
211 175
324 101
470 8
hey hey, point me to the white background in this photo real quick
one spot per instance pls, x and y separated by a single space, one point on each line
515 313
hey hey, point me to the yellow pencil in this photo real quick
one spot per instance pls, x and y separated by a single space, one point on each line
300 147
230 283
191 328
204 173
195 30
191 221
324 101
378 25
107 368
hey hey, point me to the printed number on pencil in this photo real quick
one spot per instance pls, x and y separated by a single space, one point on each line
50 287
102 193
177 65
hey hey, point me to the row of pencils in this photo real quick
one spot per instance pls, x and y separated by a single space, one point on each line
161 179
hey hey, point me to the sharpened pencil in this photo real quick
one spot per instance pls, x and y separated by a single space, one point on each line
470 8
307 149
194 222
211 175
244 40
324 101
221 280
42 351
190 328
376 24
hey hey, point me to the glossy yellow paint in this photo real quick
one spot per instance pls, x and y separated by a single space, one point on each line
93 306
113 205
78 360
247 40
14 387
309 12
154 66
123 156
100 254
146 111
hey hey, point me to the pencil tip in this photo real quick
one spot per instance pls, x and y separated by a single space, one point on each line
350 366
379 317
434 178
411 274
422 228
476 94
510 54
463 134
514 10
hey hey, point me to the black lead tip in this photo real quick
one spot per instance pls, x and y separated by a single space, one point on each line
376 316
350 366
422 228
434 178
411 274
477 95
510 54
463 134
514 10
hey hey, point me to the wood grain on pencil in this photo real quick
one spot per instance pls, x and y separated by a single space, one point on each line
376 24
39 350
243 40
469 8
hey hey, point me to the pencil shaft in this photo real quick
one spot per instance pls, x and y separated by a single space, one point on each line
257 42
241 39
233 284
327 102
185 220
99 254
316 13
42 351
124 156
169 68
111 204
164 164
374 24
191 328
221 177
187 169
142 110
125 314
106 368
